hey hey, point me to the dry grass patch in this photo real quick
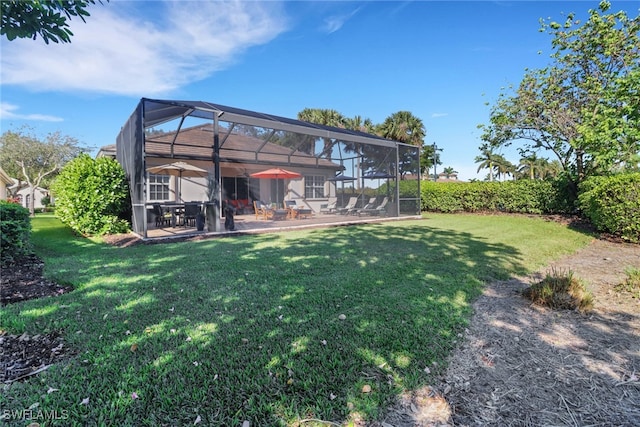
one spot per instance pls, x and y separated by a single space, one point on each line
560 290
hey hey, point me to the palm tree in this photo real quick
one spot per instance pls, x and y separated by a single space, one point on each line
403 127
327 117
503 166
448 171
487 160
357 123
552 169
529 165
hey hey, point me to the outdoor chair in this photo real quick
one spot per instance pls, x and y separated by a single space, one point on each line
191 211
262 211
370 205
353 201
162 217
327 208
377 211
291 207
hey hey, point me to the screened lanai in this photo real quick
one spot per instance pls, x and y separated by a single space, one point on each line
334 174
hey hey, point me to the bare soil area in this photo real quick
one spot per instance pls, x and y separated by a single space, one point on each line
517 364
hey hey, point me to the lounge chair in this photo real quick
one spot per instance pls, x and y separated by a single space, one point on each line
353 201
378 210
329 207
370 205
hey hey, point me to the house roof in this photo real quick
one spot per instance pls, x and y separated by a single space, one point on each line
4 177
160 111
195 143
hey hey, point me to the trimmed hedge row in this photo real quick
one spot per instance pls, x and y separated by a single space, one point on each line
523 196
612 204
15 231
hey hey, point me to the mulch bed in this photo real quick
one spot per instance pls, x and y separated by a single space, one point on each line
23 280
22 356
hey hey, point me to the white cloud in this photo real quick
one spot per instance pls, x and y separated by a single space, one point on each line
8 112
334 23
438 115
120 53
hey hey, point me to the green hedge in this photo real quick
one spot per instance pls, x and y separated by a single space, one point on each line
523 196
92 196
15 231
612 204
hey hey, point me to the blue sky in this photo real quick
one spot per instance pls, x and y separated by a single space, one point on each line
441 60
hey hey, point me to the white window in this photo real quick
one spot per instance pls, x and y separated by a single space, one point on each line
158 187
313 187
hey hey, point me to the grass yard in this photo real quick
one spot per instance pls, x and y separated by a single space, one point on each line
221 331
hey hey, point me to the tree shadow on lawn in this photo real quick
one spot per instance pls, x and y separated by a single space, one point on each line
250 328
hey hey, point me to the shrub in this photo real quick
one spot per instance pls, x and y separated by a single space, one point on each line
15 231
522 196
560 291
612 204
92 196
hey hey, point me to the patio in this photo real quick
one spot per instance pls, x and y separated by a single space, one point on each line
248 224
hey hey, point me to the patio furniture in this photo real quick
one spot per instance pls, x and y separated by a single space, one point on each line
327 208
353 201
370 205
304 213
292 209
262 211
378 210
161 216
279 214
191 211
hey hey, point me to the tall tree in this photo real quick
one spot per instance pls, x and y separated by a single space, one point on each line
427 156
503 167
403 126
30 18
487 159
584 107
29 159
448 171
327 117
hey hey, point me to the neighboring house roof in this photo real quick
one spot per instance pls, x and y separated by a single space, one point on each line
195 142
5 178
107 151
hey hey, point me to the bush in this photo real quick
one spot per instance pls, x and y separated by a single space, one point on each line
522 196
15 230
612 204
92 196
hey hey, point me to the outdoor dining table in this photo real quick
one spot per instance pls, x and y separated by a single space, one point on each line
176 210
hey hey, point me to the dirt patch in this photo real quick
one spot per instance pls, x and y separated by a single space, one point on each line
523 365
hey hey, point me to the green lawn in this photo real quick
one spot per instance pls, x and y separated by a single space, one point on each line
248 328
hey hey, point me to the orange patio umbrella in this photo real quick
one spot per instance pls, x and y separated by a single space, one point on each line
276 173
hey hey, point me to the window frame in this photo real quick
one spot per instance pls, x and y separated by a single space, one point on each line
155 181
313 189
